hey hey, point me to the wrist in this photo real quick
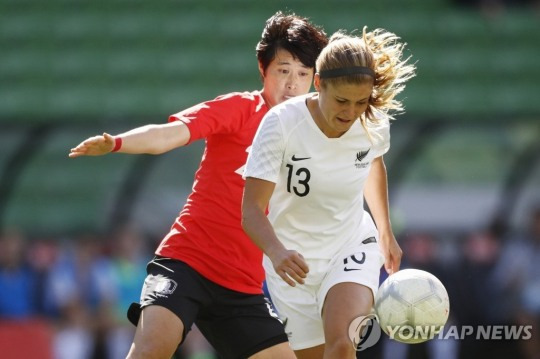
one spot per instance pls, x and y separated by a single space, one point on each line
117 144
272 250
386 233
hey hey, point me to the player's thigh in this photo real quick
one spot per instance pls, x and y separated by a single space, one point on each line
344 302
310 353
241 325
158 334
282 350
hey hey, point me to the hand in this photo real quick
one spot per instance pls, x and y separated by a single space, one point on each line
392 253
290 265
94 146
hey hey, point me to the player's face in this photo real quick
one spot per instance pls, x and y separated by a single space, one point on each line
341 105
284 78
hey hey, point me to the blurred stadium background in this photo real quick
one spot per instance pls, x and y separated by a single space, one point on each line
464 168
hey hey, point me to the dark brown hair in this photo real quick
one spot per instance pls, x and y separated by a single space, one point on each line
294 34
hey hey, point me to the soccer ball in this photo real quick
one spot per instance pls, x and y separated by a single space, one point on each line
412 306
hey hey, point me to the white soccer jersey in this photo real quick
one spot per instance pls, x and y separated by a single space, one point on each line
317 204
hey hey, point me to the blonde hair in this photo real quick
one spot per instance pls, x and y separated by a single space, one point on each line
378 50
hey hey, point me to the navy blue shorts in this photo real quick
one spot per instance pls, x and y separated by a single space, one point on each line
236 324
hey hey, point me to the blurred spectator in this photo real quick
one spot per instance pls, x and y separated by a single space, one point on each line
42 255
519 274
422 253
128 258
18 280
479 300
80 290
476 279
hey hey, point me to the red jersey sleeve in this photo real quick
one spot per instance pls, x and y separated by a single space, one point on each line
224 114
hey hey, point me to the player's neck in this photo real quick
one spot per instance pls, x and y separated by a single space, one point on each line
265 98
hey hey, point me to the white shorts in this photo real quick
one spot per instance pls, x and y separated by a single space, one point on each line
300 307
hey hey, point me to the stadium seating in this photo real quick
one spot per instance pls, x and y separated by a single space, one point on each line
98 58
77 68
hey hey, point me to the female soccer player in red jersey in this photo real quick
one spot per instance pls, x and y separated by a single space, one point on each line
206 270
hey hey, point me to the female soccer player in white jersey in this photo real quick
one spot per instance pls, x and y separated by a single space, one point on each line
313 160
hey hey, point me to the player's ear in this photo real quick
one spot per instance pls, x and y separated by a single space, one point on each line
317 82
261 70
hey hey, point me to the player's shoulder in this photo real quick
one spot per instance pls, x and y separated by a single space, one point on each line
293 105
381 126
246 97
381 123
380 132
291 112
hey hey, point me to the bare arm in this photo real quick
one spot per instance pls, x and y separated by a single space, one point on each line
376 194
287 263
150 139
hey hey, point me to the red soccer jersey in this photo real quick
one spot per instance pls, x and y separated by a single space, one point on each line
207 234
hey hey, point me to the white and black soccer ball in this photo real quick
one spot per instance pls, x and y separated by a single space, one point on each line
412 306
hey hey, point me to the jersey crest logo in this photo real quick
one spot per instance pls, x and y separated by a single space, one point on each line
361 155
159 286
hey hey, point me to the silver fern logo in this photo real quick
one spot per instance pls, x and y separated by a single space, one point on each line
360 157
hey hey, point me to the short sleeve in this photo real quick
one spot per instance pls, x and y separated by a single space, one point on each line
381 138
266 155
224 114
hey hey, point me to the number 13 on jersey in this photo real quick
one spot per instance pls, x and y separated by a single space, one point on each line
301 177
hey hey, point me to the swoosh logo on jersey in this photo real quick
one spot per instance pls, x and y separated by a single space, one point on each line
294 158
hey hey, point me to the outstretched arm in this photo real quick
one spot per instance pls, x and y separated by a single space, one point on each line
151 139
376 194
288 264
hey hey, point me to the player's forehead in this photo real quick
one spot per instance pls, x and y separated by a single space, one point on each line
350 91
286 58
